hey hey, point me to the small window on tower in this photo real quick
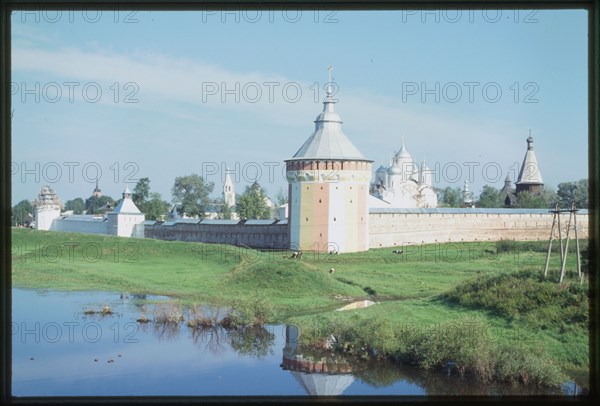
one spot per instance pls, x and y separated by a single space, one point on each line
319 200
307 219
334 219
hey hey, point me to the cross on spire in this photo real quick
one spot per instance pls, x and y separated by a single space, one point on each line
329 88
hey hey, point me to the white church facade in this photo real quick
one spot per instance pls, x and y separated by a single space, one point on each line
403 184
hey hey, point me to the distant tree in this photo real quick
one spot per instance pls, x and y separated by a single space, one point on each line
192 193
490 197
141 192
252 204
450 197
577 192
282 197
94 205
21 212
225 211
155 208
77 205
544 199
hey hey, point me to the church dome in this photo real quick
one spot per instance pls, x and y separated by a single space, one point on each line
381 169
394 170
403 153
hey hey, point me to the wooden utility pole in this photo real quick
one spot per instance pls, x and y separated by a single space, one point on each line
564 248
564 257
551 239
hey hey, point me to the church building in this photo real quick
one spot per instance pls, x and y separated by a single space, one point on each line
403 184
530 177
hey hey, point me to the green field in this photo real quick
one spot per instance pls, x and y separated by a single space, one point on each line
428 287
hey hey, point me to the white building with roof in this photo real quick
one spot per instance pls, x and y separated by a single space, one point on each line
403 184
125 220
46 208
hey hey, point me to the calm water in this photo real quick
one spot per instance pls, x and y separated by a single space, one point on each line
60 351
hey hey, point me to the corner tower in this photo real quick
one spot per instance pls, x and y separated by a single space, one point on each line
328 188
126 219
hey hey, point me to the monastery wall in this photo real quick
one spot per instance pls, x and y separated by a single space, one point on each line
387 228
271 234
401 227
81 224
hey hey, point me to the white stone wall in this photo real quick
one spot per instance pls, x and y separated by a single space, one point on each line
122 224
80 226
400 229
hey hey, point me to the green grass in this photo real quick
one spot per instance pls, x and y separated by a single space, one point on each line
425 287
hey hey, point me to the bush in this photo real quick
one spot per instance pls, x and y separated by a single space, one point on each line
505 246
526 295
464 346
248 311
169 313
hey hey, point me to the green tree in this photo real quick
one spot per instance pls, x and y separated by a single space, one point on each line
141 192
577 192
192 193
544 199
282 197
155 208
490 197
21 212
77 205
252 204
225 211
450 197
94 205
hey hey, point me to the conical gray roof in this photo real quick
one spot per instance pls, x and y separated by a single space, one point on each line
328 141
323 384
530 170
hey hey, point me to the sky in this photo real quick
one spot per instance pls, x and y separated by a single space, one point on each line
123 95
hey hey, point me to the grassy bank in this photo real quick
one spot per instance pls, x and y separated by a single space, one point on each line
428 288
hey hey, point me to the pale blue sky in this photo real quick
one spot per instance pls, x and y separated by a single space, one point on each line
174 64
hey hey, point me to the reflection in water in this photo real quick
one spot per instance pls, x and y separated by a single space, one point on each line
319 376
113 355
330 374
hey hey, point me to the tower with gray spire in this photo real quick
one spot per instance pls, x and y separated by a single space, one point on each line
530 177
228 191
328 188
97 192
